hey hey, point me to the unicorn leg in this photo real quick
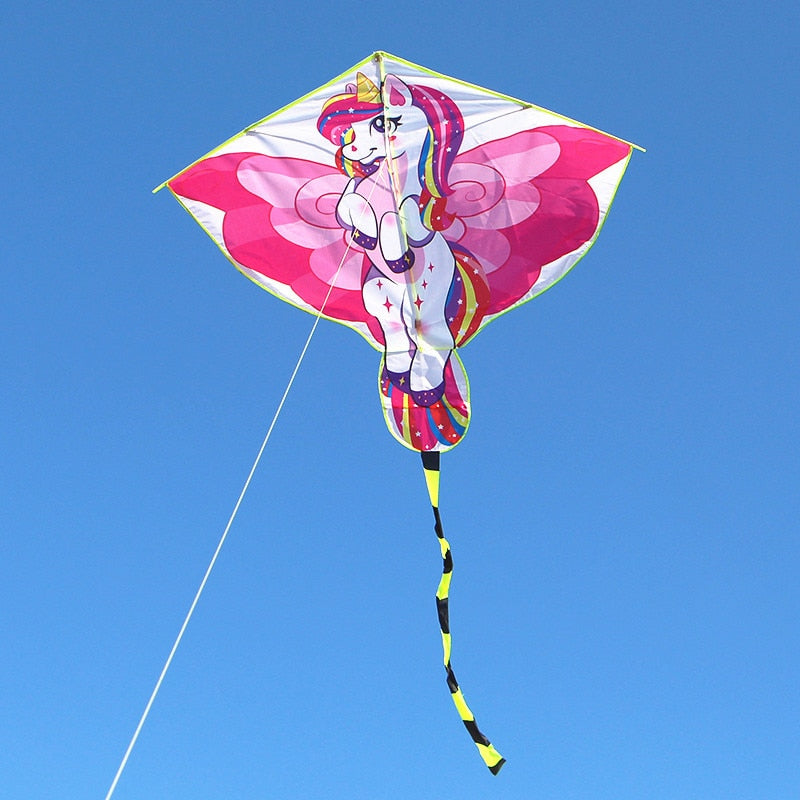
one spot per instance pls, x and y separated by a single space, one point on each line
424 387
353 212
430 332
395 249
384 300
416 232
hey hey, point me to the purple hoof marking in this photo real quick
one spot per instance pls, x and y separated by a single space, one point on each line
362 240
427 397
398 379
402 264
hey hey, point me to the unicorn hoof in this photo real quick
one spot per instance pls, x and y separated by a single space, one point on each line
402 264
427 397
364 240
399 379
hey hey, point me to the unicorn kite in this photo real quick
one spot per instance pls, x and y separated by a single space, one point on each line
415 209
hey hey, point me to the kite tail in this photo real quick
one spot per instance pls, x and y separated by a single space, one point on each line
493 759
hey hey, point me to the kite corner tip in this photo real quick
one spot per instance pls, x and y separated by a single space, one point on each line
382 55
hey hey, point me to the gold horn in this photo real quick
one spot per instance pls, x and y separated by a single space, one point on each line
367 91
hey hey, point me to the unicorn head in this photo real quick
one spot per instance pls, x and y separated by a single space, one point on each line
415 123
360 103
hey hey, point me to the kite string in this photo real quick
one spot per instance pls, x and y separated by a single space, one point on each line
212 562
235 511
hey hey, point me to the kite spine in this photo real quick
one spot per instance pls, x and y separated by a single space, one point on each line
492 759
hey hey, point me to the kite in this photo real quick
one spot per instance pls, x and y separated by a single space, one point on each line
415 209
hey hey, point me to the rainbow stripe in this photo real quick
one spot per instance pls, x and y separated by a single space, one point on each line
468 300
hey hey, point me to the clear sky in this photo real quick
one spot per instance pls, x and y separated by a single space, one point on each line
623 512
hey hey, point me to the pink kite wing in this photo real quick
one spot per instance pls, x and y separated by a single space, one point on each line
525 207
275 220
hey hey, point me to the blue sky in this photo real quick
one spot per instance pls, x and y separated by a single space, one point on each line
625 604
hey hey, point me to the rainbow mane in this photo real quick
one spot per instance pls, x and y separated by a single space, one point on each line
445 133
361 101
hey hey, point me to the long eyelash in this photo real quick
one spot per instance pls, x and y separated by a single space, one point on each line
396 121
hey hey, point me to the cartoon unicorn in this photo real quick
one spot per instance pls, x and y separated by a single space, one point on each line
397 144
431 242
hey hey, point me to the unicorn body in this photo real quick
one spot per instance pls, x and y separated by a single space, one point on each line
396 144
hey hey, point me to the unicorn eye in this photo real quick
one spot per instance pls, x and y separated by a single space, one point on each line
384 124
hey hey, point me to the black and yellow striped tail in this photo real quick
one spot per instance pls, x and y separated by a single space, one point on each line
493 759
